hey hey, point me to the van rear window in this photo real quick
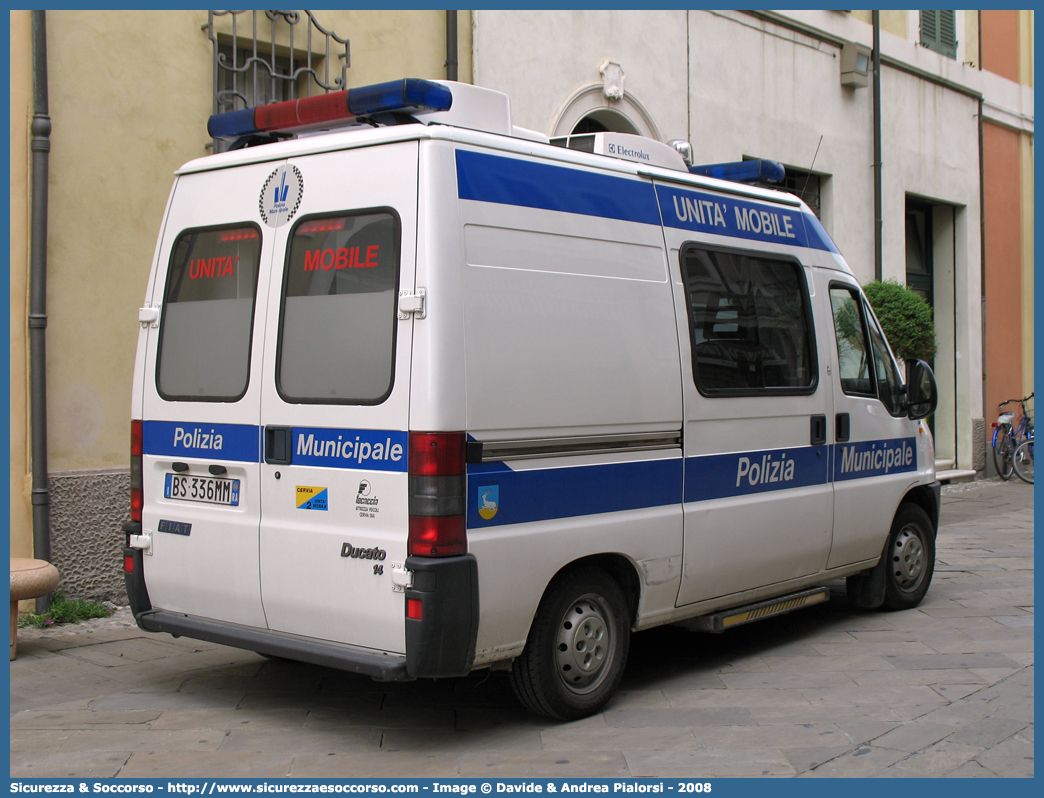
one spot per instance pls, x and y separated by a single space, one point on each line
750 325
337 329
208 314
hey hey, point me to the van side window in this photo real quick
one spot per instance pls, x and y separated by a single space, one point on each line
853 355
889 382
337 327
865 369
208 314
750 325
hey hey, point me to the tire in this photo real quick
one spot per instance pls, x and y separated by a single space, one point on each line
1002 454
909 558
576 651
1022 461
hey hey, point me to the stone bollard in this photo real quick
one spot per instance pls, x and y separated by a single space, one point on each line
29 579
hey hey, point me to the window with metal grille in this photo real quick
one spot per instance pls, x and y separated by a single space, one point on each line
252 79
939 32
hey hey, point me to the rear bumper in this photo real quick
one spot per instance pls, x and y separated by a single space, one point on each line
439 644
379 665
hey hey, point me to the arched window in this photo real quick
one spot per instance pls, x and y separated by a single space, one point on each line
588 110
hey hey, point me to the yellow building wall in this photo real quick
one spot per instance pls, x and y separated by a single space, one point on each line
893 21
1026 41
21 115
130 93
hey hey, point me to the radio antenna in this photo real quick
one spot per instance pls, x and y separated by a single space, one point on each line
801 196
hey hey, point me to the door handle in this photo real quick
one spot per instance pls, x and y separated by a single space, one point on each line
819 427
842 427
278 445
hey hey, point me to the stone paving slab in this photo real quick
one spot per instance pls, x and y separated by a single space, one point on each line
945 689
205 764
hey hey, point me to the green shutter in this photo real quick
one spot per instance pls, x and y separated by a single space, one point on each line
939 32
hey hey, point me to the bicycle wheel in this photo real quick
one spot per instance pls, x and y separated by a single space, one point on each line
1022 461
1002 453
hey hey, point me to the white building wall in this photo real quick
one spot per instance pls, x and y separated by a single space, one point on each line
738 85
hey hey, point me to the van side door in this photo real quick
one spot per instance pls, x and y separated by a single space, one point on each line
758 503
757 493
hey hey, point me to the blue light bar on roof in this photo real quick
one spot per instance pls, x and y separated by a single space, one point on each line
398 96
743 171
410 95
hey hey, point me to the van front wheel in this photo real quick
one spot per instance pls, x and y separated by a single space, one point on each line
577 647
909 558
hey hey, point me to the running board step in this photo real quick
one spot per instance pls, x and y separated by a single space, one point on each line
737 616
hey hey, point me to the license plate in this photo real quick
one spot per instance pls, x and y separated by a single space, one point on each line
210 490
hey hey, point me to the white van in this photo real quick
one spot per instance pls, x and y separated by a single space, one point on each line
424 393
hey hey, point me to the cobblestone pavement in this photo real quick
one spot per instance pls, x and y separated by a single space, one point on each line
942 690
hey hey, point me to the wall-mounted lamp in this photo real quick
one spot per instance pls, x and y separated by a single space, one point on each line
855 65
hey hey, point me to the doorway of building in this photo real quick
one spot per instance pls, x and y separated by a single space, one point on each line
929 272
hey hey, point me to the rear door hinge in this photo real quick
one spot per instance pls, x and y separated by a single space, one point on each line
412 302
142 541
401 578
148 316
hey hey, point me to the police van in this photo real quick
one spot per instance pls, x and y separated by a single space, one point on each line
419 392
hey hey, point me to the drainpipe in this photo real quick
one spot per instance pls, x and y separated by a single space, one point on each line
451 45
878 213
41 147
982 265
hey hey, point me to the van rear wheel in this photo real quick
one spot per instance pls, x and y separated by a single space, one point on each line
909 558
577 647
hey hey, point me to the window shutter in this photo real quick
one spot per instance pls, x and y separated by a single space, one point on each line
939 31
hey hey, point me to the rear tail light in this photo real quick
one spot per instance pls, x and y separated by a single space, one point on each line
437 494
136 495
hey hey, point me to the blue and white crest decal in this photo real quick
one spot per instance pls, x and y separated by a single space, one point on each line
488 500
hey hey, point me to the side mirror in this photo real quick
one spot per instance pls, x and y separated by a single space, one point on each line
922 396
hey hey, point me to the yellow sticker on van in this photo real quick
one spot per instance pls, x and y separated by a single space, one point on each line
310 497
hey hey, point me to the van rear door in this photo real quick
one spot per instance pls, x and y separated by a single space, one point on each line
335 400
202 399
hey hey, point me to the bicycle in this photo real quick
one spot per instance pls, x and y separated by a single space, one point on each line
1008 436
1022 460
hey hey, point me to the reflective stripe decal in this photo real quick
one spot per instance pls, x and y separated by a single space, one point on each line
517 497
874 458
719 476
729 216
371 450
513 181
547 493
240 442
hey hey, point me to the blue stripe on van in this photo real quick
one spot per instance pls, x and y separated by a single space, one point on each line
874 458
513 181
240 442
719 476
371 450
728 216
543 494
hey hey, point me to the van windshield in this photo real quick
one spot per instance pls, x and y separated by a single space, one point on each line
208 314
337 332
